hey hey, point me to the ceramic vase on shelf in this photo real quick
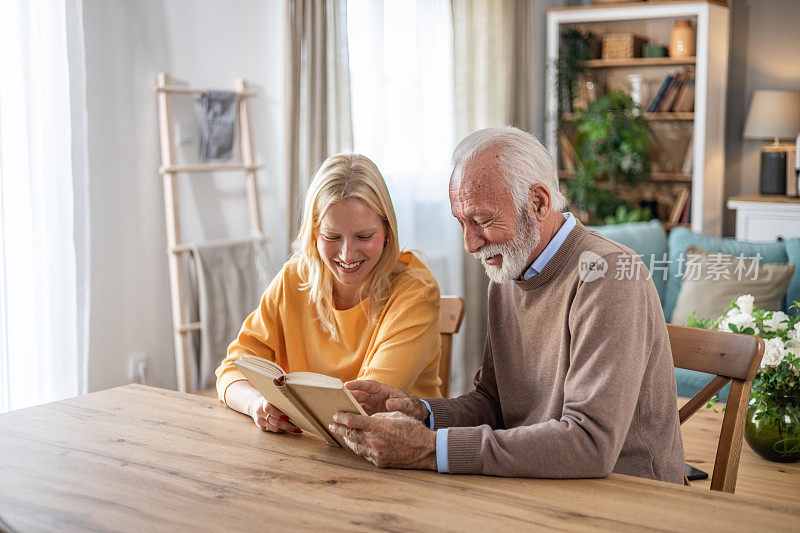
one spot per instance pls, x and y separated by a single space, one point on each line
636 81
775 440
681 39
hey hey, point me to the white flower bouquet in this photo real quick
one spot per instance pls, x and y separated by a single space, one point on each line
774 409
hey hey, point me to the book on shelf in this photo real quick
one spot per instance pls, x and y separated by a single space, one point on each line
688 158
672 92
307 398
686 216
676 214
676 93
654 103
685 101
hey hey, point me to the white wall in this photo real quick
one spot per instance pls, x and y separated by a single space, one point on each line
203 43
765 39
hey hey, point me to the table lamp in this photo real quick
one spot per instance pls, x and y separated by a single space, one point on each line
773 115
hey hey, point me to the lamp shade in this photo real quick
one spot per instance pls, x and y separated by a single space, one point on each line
773 114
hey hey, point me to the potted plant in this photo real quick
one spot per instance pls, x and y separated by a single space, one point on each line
576 47
612 145
772 428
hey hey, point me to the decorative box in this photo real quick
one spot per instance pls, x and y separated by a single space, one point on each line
622 45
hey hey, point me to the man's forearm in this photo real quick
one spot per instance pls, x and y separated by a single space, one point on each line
472 409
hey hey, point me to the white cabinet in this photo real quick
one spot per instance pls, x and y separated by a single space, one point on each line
765 218
654 20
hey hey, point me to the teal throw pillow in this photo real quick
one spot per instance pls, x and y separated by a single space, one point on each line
681 238
649 240
793 253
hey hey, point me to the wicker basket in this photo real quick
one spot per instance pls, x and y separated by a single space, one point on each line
622 45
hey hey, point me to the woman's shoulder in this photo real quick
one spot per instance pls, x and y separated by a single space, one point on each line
414 275
289 276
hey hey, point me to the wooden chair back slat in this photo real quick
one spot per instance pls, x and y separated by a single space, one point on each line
733 358
729 449
701 398
451 313
714 352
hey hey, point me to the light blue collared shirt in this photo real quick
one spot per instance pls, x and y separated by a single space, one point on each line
537 266
441 443
551 248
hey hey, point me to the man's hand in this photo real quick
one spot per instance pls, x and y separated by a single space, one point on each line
377 397
388 440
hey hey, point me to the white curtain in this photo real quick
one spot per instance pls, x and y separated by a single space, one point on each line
317 94
401 79
43 239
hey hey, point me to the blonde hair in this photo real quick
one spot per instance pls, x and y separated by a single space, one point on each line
342 177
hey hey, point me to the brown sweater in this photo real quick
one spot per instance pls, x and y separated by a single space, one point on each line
577 377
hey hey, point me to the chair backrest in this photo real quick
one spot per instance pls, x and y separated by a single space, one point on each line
451 313
731 357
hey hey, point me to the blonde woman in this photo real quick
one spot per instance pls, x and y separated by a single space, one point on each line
347 304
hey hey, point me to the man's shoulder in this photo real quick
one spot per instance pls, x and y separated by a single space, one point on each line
598 247
601 245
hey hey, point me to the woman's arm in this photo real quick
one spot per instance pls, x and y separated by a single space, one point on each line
243 397
260 336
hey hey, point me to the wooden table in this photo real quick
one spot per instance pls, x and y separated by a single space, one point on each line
140 458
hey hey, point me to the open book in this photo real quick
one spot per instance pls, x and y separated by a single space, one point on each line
307 398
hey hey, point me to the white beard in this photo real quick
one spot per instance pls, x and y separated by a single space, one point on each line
515 253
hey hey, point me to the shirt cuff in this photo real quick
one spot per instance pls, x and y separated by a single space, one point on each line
430 413
441 451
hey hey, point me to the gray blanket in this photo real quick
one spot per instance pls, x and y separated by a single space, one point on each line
218 119
226 281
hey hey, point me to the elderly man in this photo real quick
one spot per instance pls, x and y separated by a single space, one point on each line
577 377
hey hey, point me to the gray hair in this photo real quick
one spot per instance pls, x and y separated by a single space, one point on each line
523 162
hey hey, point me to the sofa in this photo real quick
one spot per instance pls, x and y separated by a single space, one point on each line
651 241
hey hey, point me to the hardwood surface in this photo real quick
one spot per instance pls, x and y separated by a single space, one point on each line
758 477
768 198
140 458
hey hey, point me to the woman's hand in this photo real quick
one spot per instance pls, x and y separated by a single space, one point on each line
246 399
269 418
377 397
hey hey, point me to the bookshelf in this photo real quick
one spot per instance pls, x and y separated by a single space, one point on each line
640 62
662 177
673 115
679 138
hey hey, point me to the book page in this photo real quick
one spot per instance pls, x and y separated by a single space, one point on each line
323 402
270 368
314 379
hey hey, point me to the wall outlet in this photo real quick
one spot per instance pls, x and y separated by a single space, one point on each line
185 133
137 368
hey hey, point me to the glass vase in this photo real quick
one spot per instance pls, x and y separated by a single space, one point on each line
775 438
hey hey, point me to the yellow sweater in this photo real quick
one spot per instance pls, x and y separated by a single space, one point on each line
401 349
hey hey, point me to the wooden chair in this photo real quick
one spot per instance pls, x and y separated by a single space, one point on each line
732 358
451 313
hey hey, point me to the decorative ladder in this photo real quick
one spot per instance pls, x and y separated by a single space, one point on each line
175 248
